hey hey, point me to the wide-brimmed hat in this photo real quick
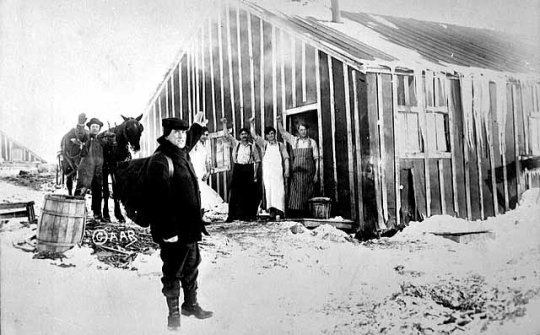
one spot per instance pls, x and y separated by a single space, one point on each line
94 121
174 123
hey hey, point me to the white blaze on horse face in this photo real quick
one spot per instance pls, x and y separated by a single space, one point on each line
178 138
94 129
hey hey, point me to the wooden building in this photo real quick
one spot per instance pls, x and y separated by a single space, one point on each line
413 118
12 151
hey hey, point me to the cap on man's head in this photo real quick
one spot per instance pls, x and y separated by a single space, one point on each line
94 121
82 118
174 123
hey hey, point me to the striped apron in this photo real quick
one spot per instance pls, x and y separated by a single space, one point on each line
303 171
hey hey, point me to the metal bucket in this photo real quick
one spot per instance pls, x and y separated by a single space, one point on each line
320 207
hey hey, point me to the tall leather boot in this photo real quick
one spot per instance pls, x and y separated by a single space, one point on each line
173 320
191 306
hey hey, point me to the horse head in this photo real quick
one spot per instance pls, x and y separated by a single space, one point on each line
108 138
133 129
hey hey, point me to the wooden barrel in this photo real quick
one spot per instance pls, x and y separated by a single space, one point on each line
62 223
320 207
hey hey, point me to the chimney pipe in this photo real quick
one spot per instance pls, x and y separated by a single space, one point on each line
336 15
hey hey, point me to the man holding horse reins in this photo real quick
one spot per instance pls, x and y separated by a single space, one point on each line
90 169
71 147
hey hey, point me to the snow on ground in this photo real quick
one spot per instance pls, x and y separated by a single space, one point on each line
280 278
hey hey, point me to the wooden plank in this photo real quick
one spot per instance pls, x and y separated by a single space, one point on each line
360 216
333 125
173 94
251 69
167 98
212 74
349 140
304 84
373 115
451 111
196 85
524 112
314 222
441 185
274 79
160 115
501 93
516 140
293 71
397 169
380 131
231 80
479 168
203 73
466 162
423 117
493 166
221 77
319 120
180 92
261 73
301 109
282 73
189 86
240 75
11 205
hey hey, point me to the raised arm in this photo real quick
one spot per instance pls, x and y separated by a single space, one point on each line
228 137
195 131
257 139
284 133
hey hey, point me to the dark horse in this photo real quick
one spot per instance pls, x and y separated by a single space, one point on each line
127 135
69 156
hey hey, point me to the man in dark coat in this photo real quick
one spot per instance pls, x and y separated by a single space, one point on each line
90 171
177 225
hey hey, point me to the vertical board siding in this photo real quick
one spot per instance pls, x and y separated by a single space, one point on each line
349 108
176 92
358 96
388 166
325 130
372 187
510 150
243 66
342 137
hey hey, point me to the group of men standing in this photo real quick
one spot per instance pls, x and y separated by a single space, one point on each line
277 166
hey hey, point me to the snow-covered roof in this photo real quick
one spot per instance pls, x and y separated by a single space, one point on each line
375 40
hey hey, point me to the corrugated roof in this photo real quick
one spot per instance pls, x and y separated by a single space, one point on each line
405 42
451 44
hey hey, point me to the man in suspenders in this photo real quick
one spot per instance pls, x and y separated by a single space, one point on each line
244 201
305 168
275 166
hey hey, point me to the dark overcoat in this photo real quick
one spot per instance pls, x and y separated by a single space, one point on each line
175 202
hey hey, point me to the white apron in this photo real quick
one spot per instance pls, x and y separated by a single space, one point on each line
273 178
209 197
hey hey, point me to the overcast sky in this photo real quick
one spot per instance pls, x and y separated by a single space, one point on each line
59 58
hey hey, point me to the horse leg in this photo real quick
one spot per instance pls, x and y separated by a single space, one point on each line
69 185
118 211
106 195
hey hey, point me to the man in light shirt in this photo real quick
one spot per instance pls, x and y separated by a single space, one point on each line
244 201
